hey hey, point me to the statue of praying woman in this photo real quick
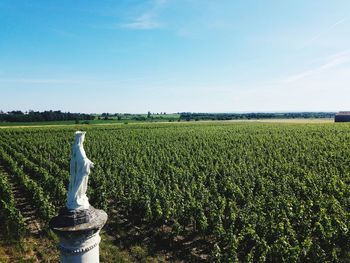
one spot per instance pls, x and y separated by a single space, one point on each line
80 167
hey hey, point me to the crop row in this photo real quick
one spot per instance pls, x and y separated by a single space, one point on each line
38 197
12 222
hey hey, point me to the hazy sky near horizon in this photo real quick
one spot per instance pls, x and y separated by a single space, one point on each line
175 55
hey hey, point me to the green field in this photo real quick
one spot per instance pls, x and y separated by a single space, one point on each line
206 191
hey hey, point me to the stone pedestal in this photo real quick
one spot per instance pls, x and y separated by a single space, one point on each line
78 231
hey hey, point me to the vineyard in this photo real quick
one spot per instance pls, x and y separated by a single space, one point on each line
215 192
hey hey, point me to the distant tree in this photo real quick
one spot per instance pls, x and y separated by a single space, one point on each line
16 112
149 114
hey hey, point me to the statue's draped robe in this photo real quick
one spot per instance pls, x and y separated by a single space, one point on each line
79 172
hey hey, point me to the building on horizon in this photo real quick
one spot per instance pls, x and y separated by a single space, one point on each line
342 116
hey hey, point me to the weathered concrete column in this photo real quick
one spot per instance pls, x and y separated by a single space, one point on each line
78 231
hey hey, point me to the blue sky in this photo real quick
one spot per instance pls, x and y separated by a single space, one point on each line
175 55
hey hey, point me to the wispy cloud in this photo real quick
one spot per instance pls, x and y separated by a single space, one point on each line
331 62
324 32
147 20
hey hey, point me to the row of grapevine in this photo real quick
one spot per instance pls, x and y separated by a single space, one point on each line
57 191
12 222
38 197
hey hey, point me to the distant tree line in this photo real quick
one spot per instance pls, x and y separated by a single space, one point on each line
36 116
188 116
137 117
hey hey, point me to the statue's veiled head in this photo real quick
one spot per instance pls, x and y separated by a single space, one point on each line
79 137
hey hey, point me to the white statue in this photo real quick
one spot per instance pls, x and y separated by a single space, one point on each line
80 167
